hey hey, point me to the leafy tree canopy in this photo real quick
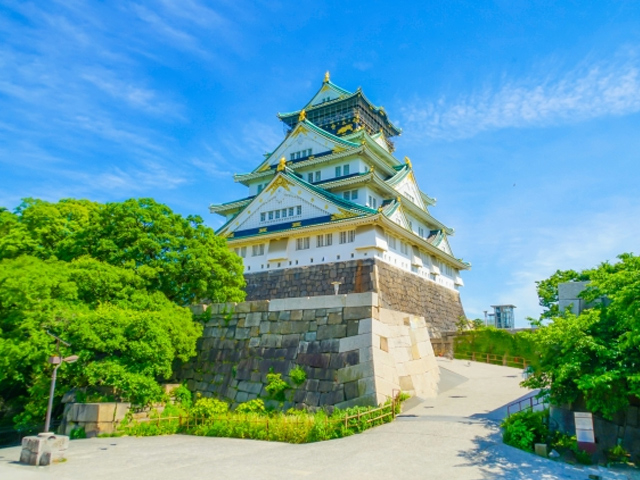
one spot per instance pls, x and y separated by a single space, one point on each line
548 289
126 336
113 280
594 357
177 256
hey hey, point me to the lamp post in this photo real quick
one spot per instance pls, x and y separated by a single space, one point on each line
336 287
56 360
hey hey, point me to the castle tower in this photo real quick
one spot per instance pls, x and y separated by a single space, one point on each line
332 207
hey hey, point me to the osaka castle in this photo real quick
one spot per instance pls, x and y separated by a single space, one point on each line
331 209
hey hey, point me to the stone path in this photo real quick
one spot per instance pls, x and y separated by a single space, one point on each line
454 436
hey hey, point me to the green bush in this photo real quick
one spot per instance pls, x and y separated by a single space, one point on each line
523 429
77 433
182 395
208 407
211 417
298 375
617 454
496 342
276 386
252 406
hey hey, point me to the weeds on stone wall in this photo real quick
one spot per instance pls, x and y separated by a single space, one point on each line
213 418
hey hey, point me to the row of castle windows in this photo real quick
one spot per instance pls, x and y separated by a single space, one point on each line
292 263
404 249
326 240
281 213
303 243
300 154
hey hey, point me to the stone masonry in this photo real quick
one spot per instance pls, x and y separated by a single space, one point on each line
352 350
397 289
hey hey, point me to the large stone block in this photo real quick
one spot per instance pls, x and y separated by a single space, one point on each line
355 372
44 449
271 341
357 313
253 319
355 342
331 331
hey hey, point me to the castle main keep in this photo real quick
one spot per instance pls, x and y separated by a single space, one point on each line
349 276
332 207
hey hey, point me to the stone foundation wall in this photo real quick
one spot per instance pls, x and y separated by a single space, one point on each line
400 290
397 289
356 276
353 351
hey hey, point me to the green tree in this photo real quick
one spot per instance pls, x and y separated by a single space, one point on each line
548 289
178 256
595 356
127 337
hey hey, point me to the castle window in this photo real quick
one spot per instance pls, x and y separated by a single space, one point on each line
348 237
324 240
347 195
292 156
257 250
354 194
403 248
297 155
310 177
281 213
345 170
317 176
302 243
373 202
338 171
392 242
241 252
421 231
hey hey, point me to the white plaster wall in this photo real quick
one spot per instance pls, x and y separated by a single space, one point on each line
366 236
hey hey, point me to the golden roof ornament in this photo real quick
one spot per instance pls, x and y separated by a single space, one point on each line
326 76
408 162
302 116
282 164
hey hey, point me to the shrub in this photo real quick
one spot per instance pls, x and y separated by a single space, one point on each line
523 429
298 375
252 406
208 407
182 395
276 386
77 433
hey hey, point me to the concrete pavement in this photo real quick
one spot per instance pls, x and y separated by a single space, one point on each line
454 436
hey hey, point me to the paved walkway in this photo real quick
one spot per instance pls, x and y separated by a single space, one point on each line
454 436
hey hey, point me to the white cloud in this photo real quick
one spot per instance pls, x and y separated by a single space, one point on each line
589 90
580 244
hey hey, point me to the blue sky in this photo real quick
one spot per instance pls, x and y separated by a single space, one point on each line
521 118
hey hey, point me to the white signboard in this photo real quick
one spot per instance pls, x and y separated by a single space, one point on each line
584 427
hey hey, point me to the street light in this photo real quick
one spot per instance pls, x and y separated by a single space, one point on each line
56 360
